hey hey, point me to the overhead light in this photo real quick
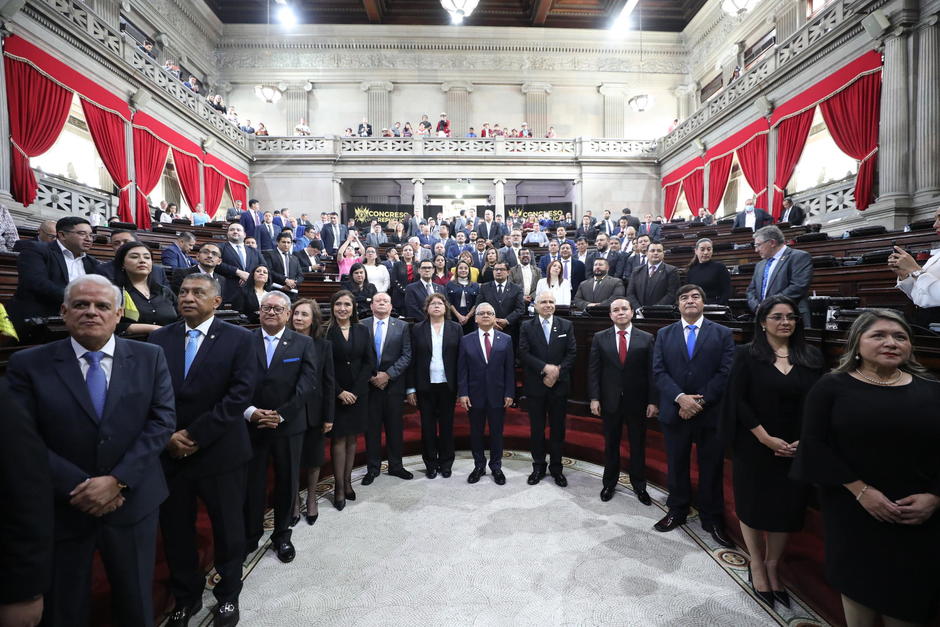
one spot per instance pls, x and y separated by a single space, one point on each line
622 23
268 93
640 103
738 7
286 16
459 9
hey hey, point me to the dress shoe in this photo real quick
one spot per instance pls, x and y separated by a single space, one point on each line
369 478
294 520
312 519
180 616
607 493
499 477
401 473
560 480
782 597
764 595
476 474
720 536
339 503
285 551
535 477
431 473
669 522
225 614
644 497
350 495
446 473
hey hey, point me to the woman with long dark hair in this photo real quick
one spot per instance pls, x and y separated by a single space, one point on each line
712 275
148 305
490 259
248 298
462 293
357 282
404 272
441 276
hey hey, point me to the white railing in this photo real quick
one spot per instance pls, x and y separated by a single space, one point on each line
59 194
828 198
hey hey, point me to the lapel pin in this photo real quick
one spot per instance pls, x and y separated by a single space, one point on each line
211 337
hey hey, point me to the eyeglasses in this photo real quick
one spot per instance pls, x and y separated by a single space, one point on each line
273 309
759 244
780 317
87 234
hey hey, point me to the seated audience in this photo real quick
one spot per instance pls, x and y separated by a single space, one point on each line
792 214
147 304
919 283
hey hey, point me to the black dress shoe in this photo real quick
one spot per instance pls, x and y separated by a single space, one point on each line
312 519
369 478
401 473
764 595
351 495
446 473
644 497
782 597
560 480
721 537
339 503
294 520
669 522
180 616
607 493
476 474
431 473
285 551
499 477
535 477
225 614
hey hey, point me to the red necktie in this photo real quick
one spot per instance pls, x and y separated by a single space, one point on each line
622 347
486 343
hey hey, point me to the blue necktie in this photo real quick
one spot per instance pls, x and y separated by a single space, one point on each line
547 329
763 286
96 381
378 341
270 347
191 348
690 341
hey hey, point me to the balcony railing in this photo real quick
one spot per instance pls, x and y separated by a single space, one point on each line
60 194
828 198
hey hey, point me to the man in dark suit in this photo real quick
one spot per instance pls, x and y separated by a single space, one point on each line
238 261
603 251
392 340
550 256
636 259
376 236
655 283
622 392
277 419
547 352
632 220
176 255
333 234
416 292
266 232
364 129
782 271
214 368
104 428
310 257
598 291
506 298
607 224
792 214
571 268
286 274
703 217
251 217
525 275
752 217
490 230
691 362
648 227
208 258
485 388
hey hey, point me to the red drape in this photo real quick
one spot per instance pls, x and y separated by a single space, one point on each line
852 117
238 192
718 173
149 163
791 139
753 159
670 198
694 187
187 171
215 185
108 133
39 109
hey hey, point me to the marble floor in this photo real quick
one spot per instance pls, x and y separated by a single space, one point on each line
444 552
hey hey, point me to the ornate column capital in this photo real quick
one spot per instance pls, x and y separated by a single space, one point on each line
539 88
456 86
417 181
612 89
499 181
337 181
385 86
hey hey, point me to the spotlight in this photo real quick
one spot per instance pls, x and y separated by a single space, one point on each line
286 16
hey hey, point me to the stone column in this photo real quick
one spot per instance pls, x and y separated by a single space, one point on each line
5 145
338 196
894 152
683 101
418 197
613 109
790 16
110 12
457 96
927 146
295 105
537 112
377 109
131 171
499 196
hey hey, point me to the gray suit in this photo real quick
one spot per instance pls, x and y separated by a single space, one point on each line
515 276
609 290
791 277
376 239
659 289
507 254
385 406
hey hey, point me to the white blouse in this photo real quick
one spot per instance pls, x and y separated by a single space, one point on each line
561 292
378 276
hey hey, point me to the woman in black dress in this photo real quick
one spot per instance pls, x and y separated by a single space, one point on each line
769 383
306 320
151 305
489 263
870 440
713 276
248 298
354 363
357 283
403 273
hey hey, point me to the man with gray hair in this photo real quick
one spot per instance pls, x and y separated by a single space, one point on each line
782 271
105 436
176 255
421 253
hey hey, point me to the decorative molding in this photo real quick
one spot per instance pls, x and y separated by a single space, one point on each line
613 89
61 195
536 88
376 86
457 85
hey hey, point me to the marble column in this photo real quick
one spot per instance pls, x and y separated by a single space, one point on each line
614 103
683 101
537 114
418 197
5 145
894 153
499 196
790 16
110 12
377 107
295 106
457 97
338 196
927 144
131 171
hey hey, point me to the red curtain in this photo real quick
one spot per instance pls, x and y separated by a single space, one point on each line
215 185
791 139
187 171
852 117
671 197
108 133
718 173
39 109
694 186
753 159
239 192
149 163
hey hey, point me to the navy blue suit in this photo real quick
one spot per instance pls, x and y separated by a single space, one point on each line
415 295
231 263
210 403
706 373
330 243
174 257
487 384
264 238
125 442
247 220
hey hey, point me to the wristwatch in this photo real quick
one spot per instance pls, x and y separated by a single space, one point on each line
915 274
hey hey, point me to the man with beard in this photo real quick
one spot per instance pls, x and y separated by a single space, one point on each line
600 290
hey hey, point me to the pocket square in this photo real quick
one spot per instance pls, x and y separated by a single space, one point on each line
291 359
563 335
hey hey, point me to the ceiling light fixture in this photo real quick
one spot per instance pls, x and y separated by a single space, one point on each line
268 93
459 9
640 102
738 7
286 16
622 23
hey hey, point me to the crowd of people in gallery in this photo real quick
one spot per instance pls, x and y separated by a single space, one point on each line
424 128
442 322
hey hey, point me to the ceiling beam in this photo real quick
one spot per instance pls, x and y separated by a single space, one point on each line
373 11
540 12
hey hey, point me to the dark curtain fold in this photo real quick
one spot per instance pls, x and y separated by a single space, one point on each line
791 139
149 163
215 185
719 171
753 159
238 192
187 172
694 187
670 198
108 133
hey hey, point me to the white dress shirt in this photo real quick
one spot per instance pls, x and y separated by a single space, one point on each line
750 219
436 373
924 291
561 292
107 361
74 265
378 276
526 278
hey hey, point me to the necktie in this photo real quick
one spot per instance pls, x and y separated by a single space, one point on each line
286 265
546 329
95 380
652 271
622 346
487 345
378 340
271 230
499 291
241 256
564 274
191 348
763 285
690 341
269 348
430 288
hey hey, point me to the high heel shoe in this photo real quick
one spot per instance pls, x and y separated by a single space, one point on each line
351 495
765 596
312 519
782 597
339 503
294 520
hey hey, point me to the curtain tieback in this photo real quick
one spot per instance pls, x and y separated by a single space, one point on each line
868 156
17 146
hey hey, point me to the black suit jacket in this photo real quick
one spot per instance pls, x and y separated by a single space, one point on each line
534 353
231 263
419 373
511 306
795 217
126 441
43 293
321 404
792 277
180 275
762 219
494 233
211 400
330 243
275 264
660 289
614 262
628 387
630 263
415 295
287 384
609 290
304 260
